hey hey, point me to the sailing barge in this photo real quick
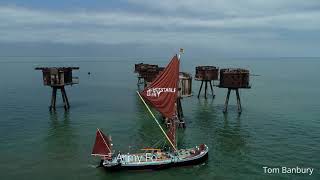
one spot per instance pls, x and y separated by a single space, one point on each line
162 95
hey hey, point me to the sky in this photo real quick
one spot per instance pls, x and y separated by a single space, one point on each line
240 28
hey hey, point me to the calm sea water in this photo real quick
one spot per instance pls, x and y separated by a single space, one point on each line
279 126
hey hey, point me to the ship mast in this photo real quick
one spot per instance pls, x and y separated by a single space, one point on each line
155 119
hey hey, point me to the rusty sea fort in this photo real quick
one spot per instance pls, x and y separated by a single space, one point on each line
279 125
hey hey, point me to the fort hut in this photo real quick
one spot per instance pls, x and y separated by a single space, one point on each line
57 78
146 72
206 74
234 79
185 90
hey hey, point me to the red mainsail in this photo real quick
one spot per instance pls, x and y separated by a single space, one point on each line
163 91
102 146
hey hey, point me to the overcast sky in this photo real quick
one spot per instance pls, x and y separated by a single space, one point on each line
221 27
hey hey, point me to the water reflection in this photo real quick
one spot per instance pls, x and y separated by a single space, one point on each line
232 137
221 131
147 132
61 142
206 107
205 115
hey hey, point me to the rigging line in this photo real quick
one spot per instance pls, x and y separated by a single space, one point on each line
103 139
157 143
163 145
165 134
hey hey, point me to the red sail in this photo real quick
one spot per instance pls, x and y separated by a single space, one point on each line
102 146
162 92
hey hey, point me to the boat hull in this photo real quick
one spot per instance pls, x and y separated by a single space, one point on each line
145 167
192 162
160 165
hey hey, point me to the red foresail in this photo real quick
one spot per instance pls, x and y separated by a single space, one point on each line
102 146
162 92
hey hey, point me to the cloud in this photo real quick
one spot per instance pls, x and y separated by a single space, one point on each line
12 17
243 8
217 24
20 24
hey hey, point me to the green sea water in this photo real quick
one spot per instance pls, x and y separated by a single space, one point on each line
279 126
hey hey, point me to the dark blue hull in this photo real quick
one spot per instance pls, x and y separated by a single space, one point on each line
158 166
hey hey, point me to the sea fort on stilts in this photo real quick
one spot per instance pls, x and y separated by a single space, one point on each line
230 78
234 79
57 78
206 74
